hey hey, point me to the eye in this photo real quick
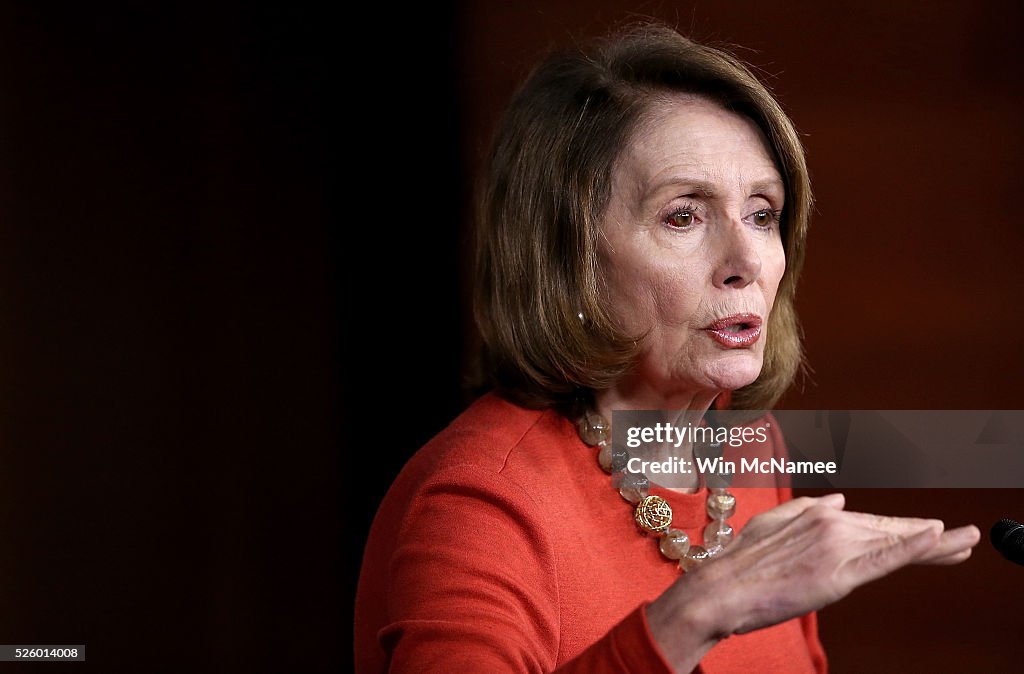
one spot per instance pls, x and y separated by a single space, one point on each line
681 219
765 218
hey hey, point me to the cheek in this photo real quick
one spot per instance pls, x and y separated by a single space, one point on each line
772 270
627 294
653 293
678 294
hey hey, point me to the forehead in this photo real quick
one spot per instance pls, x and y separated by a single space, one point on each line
686 136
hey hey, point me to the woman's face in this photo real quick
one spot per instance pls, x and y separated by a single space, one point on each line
691 251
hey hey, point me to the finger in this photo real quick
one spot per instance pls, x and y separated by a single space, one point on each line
954 546
949 560
791 509
835 500
901 526
891 553
948 550
778 516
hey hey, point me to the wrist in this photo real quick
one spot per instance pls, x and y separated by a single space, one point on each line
685 620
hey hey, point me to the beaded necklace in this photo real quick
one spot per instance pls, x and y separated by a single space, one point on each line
652 513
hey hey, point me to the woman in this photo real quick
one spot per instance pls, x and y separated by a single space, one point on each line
640 240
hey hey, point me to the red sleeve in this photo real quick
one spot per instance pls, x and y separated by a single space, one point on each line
809 623
628 648
474 588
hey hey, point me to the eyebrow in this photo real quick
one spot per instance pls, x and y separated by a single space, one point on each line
707 189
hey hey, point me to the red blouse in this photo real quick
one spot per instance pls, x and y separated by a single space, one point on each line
502 547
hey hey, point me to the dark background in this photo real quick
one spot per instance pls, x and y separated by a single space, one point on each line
231 300
175 242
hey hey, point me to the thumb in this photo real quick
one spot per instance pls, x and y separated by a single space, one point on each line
790 510
835 500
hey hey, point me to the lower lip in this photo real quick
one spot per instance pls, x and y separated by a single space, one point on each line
736 340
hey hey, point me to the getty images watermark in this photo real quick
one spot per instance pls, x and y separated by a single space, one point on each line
817 448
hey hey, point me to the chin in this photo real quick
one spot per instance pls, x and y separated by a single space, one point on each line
734 372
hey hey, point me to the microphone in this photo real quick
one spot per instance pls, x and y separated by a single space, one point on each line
1008 538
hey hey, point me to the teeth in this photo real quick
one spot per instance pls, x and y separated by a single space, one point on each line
734 328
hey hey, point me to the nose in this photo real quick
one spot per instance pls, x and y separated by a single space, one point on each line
738 259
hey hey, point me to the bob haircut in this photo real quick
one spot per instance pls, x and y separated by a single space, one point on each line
547 336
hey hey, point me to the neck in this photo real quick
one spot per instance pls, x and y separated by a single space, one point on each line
681 408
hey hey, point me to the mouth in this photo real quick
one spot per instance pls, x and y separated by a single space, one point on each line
735 331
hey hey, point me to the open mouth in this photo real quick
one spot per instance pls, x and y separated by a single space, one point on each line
736 331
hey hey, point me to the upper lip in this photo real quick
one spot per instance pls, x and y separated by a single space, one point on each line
745 320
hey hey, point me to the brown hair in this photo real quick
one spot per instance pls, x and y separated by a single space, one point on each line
547 186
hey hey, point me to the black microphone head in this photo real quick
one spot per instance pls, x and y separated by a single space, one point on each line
1008 538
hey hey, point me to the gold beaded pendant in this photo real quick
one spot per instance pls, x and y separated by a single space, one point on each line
653 514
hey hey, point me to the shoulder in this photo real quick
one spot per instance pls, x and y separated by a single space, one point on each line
463 522
495 436
495 445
